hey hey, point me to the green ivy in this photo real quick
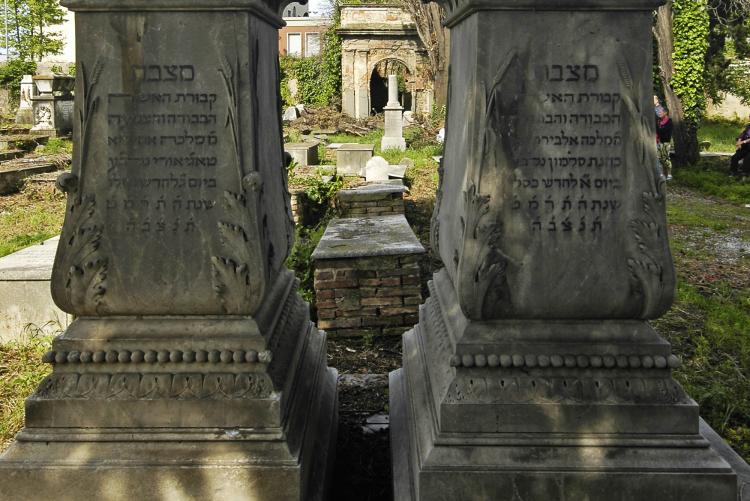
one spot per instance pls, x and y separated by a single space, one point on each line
690 28
318 78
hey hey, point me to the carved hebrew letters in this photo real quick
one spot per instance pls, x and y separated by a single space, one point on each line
162 142
571 182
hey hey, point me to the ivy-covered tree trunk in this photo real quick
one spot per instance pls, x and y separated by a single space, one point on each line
682 70
429 18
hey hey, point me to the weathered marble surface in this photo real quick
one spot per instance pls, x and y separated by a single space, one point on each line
192 370
554 140
367 236
533 373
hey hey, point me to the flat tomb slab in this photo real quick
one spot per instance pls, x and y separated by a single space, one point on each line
303 153
367 237
351 158
25 297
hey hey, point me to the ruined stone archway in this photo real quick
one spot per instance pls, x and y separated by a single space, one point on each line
379 84
371 34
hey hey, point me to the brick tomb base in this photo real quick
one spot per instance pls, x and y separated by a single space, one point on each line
368 296
367 276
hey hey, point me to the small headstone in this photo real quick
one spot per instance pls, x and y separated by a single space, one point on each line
409 118
25 114
377 169
291 114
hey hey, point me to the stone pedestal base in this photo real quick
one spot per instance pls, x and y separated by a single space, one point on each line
476 417
393 143
181 408
159 464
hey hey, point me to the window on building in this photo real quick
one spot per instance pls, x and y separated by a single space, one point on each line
294 44
312 44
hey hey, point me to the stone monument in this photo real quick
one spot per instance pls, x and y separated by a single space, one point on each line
53 105
393 138
25 114
192 370
533 373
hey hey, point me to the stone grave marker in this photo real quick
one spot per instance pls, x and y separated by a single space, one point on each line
25 113
192 369
393 138
533 372
303 153
53 105
351 158
376 169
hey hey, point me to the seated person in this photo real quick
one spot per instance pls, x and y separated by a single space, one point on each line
743 150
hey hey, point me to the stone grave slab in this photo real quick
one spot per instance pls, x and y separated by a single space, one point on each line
351 159
25 299
303 153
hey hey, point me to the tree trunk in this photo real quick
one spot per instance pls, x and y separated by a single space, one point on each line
685 132
428 19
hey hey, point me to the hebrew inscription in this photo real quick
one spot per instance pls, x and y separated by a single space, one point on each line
163 150
569 181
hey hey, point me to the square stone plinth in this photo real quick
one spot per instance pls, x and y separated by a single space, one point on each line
351 159
303 154
367 276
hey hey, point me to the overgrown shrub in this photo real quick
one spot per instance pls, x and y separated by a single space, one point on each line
11 74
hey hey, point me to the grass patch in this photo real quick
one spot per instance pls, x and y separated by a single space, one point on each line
55 146
31 216
708 326
21 371
721 133
711 177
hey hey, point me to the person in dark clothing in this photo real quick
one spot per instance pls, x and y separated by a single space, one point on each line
663 138
743 150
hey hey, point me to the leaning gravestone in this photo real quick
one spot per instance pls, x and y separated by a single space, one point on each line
533 373
192 370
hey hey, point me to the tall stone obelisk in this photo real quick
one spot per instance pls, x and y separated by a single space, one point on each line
393 137
533 373
192 370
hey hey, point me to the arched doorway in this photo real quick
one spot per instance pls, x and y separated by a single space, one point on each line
379 84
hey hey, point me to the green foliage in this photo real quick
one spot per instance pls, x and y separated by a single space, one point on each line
299 260
315 85
30 25
11 74
690 30
56 145
318 78
728 47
